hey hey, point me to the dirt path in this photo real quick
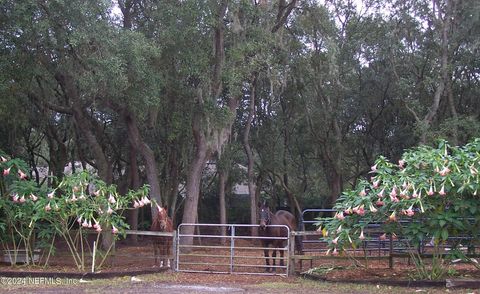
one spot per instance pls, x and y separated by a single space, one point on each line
173 283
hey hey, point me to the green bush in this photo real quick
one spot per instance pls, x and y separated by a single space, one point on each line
33 215
435 188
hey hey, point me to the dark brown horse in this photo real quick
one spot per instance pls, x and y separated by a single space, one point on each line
162 245
267 229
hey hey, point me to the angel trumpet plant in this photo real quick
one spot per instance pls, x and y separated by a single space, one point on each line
339 215
392 217
393 193
442 191
22 175
335 241
430 192
380 194
451 172
444 171
361 237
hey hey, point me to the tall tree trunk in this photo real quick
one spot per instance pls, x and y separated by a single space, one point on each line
292 200
136 142
190 214
134 185
57 147
172 183
248 151
334 157
208 139
58 155
84 126
126 6
258 186
102 163
445 23
453 112
204 149
86 129
222 183
335 185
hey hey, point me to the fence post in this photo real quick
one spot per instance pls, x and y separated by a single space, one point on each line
291 254
174 251
93 255
232 246
390 258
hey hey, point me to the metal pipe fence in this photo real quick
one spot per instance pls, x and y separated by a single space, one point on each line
138 255
373 244
238 252
235 253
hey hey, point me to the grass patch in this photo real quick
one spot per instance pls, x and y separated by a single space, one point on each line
278 285
47 283
309 286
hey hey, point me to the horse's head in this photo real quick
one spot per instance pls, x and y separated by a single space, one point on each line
162 217
265 214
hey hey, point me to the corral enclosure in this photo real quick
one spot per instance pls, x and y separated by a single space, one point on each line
240 253
237 252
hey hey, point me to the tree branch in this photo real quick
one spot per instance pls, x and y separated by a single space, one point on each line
284 11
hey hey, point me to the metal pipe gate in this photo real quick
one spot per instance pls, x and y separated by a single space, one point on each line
237 252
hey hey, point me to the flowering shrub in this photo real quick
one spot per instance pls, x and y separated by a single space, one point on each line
81 204
84 202
19 210
437 189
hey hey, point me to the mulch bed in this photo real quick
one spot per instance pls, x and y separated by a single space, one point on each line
462 275
127 260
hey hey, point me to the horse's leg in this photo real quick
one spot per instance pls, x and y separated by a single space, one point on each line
169 251
265 253
165 251
166 247
267 262
162 252
274 256
155 251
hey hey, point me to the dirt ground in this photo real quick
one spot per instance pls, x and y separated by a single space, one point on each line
129 259
173 283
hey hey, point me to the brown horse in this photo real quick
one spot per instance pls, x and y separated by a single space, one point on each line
162 245
267 219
